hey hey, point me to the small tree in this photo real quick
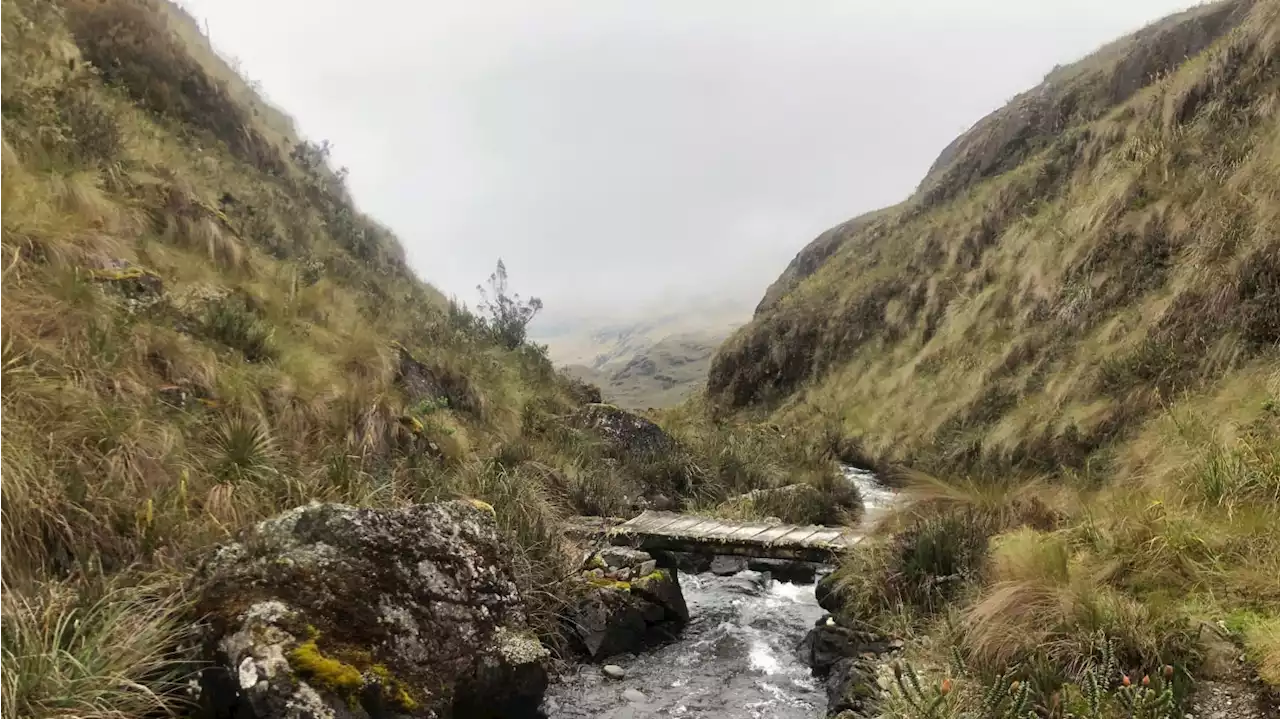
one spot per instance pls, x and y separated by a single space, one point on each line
508 316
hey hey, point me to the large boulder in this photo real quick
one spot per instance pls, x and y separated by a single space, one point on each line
650 458
625 434
630 604
332 611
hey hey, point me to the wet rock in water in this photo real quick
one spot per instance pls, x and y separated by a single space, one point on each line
617 615
724 565
332 611
613 671
618 557
828 642
749 582
687 562
635 696
785 570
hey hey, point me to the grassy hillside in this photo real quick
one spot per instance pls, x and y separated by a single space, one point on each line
1085 288
201 330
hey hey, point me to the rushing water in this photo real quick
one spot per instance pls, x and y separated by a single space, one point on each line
736 659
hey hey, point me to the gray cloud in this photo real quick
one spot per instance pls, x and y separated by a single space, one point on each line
618 154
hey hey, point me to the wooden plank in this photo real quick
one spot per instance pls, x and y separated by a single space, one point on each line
720 531
682 532
797 535
697 529
747 532
682 525
824 536
773 533
655 524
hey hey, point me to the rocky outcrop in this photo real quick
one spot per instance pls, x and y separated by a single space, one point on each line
655 462
424 383
848 661
630 604
332 611
625 433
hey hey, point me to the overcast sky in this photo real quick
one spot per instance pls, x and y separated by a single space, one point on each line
619 153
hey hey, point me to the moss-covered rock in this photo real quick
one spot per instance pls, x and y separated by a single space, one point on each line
631 604
368 613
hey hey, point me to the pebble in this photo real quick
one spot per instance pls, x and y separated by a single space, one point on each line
613 671
635 696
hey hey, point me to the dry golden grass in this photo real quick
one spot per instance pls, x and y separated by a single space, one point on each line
1071 328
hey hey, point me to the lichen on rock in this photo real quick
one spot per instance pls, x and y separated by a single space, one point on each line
631 604
396 612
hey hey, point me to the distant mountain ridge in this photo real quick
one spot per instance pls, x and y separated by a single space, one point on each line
655 361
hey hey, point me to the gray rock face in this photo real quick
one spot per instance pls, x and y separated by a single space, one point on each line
785 570
624 432
851 688
828 642
631 604
331 611
724 565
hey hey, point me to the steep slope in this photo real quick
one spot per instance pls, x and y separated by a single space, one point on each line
1070 264
201 330
1066 344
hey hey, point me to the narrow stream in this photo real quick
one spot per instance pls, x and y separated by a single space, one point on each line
736 659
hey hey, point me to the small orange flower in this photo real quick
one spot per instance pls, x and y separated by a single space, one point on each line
946 686
1124 679
1146 681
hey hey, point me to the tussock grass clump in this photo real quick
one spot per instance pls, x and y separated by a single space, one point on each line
1042 606
114 655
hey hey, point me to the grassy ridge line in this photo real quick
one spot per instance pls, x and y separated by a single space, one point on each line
1037 313
1074 325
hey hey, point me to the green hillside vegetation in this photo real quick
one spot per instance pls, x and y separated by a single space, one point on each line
1072 326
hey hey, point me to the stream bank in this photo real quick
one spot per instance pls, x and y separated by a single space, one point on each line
739 656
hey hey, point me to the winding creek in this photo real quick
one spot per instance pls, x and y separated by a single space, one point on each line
736 659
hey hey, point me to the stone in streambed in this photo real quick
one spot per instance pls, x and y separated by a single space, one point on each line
613 671
726 566
630 604
635 696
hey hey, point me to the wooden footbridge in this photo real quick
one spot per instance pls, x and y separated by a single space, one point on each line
676 532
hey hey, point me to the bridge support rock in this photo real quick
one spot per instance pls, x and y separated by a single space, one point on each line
631 604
